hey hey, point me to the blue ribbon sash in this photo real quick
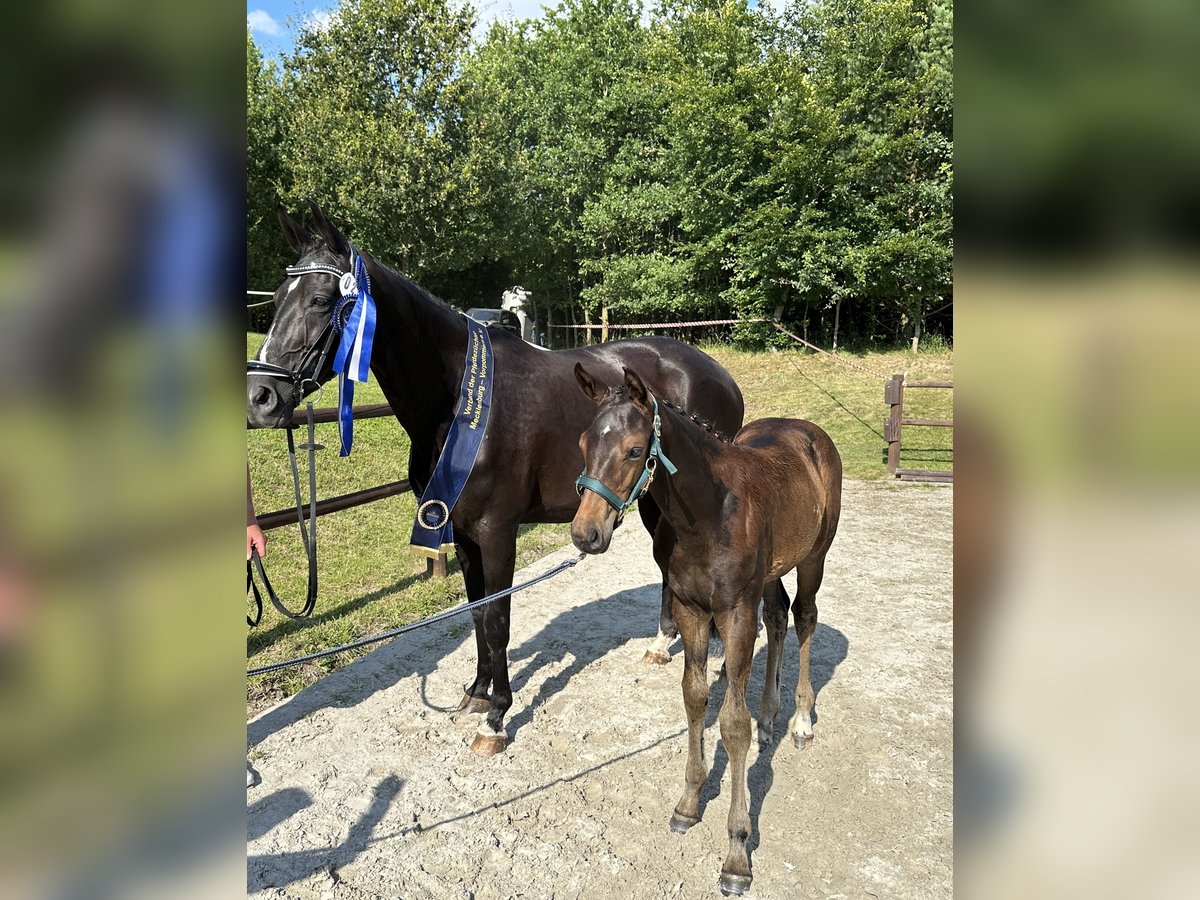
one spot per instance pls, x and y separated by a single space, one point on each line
352 362
433 532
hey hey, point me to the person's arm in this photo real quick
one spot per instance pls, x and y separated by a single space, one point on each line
254 534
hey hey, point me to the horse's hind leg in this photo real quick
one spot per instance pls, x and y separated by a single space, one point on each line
775 618
804 609
476 698
694 626
659 652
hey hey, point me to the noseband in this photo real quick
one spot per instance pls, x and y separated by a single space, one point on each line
655 453
303 374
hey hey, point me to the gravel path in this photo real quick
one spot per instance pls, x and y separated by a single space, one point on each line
368 789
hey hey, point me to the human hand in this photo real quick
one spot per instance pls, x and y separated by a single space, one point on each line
255 539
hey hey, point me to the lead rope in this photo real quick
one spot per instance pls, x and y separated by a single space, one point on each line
310 545
413 626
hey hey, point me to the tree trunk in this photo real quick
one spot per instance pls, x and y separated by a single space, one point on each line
918 323
837 317
549 326
604 324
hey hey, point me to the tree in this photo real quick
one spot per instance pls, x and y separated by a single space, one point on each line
369 111
266 254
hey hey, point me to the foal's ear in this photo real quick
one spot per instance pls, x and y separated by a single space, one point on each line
637 390
298 237
334 239
590 385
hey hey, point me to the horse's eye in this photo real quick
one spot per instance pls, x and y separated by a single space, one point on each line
322 302
635 453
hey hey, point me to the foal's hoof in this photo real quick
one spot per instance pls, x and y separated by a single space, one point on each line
474 704
489 744
656 658
680 823
802 741
734 885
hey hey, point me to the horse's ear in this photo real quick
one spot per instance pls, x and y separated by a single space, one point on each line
590 385
298 237
334 239
637 390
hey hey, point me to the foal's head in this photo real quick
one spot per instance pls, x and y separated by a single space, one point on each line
304 307
617 452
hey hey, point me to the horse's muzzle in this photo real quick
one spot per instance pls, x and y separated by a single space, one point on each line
269 402
591 536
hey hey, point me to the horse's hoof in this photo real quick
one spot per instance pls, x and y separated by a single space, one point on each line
489 744
474 704
656 658
734 885
802 741
680 823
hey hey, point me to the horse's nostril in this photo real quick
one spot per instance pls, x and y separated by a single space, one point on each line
594 537
262 396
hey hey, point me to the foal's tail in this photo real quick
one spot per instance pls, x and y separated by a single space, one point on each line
829 471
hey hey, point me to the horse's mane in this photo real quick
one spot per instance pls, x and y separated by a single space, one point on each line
622 392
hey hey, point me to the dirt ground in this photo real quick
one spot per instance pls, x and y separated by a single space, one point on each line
368 788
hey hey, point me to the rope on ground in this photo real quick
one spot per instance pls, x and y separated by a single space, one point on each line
413 626
842 360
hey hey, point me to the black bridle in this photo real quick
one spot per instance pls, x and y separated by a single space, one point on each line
299 378
303 374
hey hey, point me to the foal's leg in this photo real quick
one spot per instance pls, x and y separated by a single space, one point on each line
499 557
775 618
804 610
664 541
738 629
693 627
475 695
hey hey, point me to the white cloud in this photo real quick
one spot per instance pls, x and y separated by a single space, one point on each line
262 22
319 20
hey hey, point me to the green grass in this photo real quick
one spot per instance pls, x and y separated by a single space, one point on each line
371 581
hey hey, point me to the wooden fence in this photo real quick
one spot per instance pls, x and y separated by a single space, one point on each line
283 517
893 426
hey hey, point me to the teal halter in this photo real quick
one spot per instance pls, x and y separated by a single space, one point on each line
586 481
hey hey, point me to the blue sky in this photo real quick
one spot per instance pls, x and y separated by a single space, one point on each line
273 22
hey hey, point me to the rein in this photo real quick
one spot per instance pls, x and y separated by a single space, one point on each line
469 606
655 453
308 535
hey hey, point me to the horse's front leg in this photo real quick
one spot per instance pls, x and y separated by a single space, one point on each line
476 698
694 625
499 557
738 628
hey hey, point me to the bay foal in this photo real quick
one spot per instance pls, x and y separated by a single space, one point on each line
744 514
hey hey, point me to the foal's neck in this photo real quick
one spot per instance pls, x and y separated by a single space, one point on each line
692 497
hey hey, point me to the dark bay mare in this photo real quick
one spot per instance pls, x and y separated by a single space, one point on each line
526 466
743 514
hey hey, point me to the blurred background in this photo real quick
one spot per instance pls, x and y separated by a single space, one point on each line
122 734
1076 514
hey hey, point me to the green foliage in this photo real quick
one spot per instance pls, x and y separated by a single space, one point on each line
705 159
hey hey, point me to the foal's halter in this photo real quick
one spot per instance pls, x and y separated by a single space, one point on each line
653 455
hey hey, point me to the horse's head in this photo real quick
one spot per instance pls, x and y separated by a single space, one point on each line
297 355
620 453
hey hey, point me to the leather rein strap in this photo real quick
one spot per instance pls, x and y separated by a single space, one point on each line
308 534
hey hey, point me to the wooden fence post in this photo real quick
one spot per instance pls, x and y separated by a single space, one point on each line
436 567
893 396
